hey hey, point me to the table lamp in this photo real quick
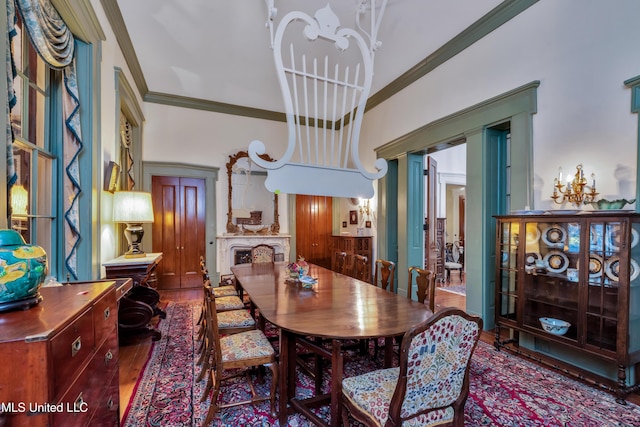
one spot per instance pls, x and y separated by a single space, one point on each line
133 208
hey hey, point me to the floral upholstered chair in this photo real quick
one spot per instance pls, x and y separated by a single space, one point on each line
262 253
431 385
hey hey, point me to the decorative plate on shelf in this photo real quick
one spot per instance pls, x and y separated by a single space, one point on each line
614 237
556 261
530 258
612 269
554 236
596 265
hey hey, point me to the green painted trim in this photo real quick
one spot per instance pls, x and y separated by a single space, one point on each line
455 126
499 15
415 219
210 175
213 106
128 102
114 16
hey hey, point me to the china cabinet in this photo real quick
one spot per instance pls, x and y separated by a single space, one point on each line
576 267
354 245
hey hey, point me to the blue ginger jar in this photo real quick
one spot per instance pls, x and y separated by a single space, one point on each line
23 268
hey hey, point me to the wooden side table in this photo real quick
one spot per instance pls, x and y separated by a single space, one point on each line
140 304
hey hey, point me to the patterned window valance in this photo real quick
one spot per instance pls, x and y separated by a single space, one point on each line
49 35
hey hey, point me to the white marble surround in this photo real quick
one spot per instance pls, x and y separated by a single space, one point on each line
228 244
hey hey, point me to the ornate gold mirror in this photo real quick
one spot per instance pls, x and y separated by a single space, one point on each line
249 202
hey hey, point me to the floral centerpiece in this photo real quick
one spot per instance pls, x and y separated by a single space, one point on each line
298 268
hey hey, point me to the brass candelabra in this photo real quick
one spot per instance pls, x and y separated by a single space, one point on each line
576 190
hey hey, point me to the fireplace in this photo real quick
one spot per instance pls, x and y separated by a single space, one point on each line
236 249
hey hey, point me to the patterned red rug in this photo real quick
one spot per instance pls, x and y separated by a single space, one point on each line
505 390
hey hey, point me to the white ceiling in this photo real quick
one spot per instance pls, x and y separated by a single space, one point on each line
220 51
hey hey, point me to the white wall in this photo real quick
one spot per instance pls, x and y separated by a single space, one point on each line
109 122
581 51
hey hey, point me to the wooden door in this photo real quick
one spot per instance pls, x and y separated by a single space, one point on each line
313 229
178 229
430 244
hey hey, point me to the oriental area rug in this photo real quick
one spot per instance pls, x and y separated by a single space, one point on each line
505 390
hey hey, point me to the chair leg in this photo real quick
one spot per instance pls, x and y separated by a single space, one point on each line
274 384
213 406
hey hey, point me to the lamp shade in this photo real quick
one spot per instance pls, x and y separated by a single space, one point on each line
132 207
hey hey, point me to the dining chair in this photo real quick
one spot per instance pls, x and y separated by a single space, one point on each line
340 262
425 281
452 260
229 322
262 253
360 265
431 384
234 355
222 290
383 275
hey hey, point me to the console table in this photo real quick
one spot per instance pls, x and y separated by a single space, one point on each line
140 304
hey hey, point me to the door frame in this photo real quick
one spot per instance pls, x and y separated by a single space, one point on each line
210 176
517 106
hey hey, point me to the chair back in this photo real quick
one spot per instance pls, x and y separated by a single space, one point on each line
262 253
340 262
383 275
360 267
213 331
443 344
203 269
426 285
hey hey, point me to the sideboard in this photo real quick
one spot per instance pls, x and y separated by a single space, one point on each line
60 359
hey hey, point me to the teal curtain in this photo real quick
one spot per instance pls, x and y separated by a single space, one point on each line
53 41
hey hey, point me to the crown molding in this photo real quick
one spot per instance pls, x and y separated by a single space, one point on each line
119 28
213 106
502 13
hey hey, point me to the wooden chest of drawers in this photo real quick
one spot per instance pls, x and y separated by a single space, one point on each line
60 359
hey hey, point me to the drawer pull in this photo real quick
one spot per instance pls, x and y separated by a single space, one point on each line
107 313
108 357
76 346
110 403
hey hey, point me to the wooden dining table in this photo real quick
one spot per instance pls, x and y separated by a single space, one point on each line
337 308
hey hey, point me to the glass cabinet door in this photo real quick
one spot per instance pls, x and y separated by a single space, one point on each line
552 275
507 286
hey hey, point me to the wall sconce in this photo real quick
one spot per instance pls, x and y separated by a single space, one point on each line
574 191
19 200
365 207
133 208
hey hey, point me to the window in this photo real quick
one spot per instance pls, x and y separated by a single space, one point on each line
33 195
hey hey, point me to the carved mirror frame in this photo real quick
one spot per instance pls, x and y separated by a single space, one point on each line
231 227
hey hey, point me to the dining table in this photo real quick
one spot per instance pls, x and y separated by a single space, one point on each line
337 308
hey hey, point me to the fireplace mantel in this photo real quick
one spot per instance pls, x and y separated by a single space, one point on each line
228 244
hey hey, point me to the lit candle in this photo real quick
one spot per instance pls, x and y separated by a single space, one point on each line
593 181
560 174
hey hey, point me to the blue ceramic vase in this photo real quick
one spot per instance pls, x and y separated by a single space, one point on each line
23 268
